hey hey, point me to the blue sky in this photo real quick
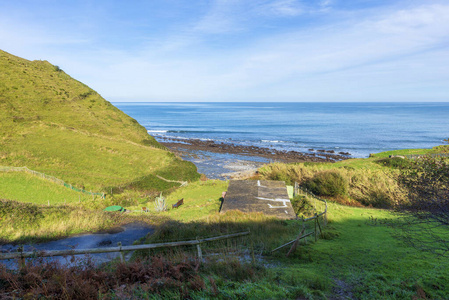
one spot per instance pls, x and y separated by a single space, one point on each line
239 50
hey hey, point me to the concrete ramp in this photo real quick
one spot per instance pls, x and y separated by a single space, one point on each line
266 196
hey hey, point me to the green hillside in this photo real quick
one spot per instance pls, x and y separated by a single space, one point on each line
57 125
23 187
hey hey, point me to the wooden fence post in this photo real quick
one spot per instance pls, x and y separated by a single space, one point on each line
21 259
296 242
122 256
198 248
319 226
325 215
200 253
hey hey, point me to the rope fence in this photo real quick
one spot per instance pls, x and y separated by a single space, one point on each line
49 178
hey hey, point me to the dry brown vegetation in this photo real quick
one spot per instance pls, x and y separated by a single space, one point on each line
50 280
377 187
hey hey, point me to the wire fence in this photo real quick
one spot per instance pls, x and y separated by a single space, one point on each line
49 178
159 146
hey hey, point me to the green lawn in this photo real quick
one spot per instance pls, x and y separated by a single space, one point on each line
25 187
201 199
367 261
438 149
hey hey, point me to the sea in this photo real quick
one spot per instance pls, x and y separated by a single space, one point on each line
357 128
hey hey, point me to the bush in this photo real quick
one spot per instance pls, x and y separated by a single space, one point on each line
394 162
328 183
380 199
301 204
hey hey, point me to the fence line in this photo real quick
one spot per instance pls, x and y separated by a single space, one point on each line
415 156
22 255
50 178
298 188
315 217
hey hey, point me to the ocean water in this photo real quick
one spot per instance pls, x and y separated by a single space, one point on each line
357 128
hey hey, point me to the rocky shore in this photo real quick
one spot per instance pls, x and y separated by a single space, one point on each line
180 146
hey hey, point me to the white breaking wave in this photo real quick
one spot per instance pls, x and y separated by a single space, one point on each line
274 141
157 131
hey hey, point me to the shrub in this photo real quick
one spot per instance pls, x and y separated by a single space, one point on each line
49 280
301 204
394 162
328 183
279 173
379 198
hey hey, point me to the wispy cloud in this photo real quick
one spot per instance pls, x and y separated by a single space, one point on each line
289 8
391 37
222 17
262 50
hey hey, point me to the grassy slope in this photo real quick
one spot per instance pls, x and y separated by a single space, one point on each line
56 125
360 258
366 261
25 187
23 223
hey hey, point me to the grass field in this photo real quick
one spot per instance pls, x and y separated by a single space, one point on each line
29 188
201 199
366 260
359 256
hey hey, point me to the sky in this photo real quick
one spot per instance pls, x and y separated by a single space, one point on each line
239 50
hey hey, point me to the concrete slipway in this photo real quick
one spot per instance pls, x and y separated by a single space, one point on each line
266 196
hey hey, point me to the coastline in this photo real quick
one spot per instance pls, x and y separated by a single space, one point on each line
229 160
